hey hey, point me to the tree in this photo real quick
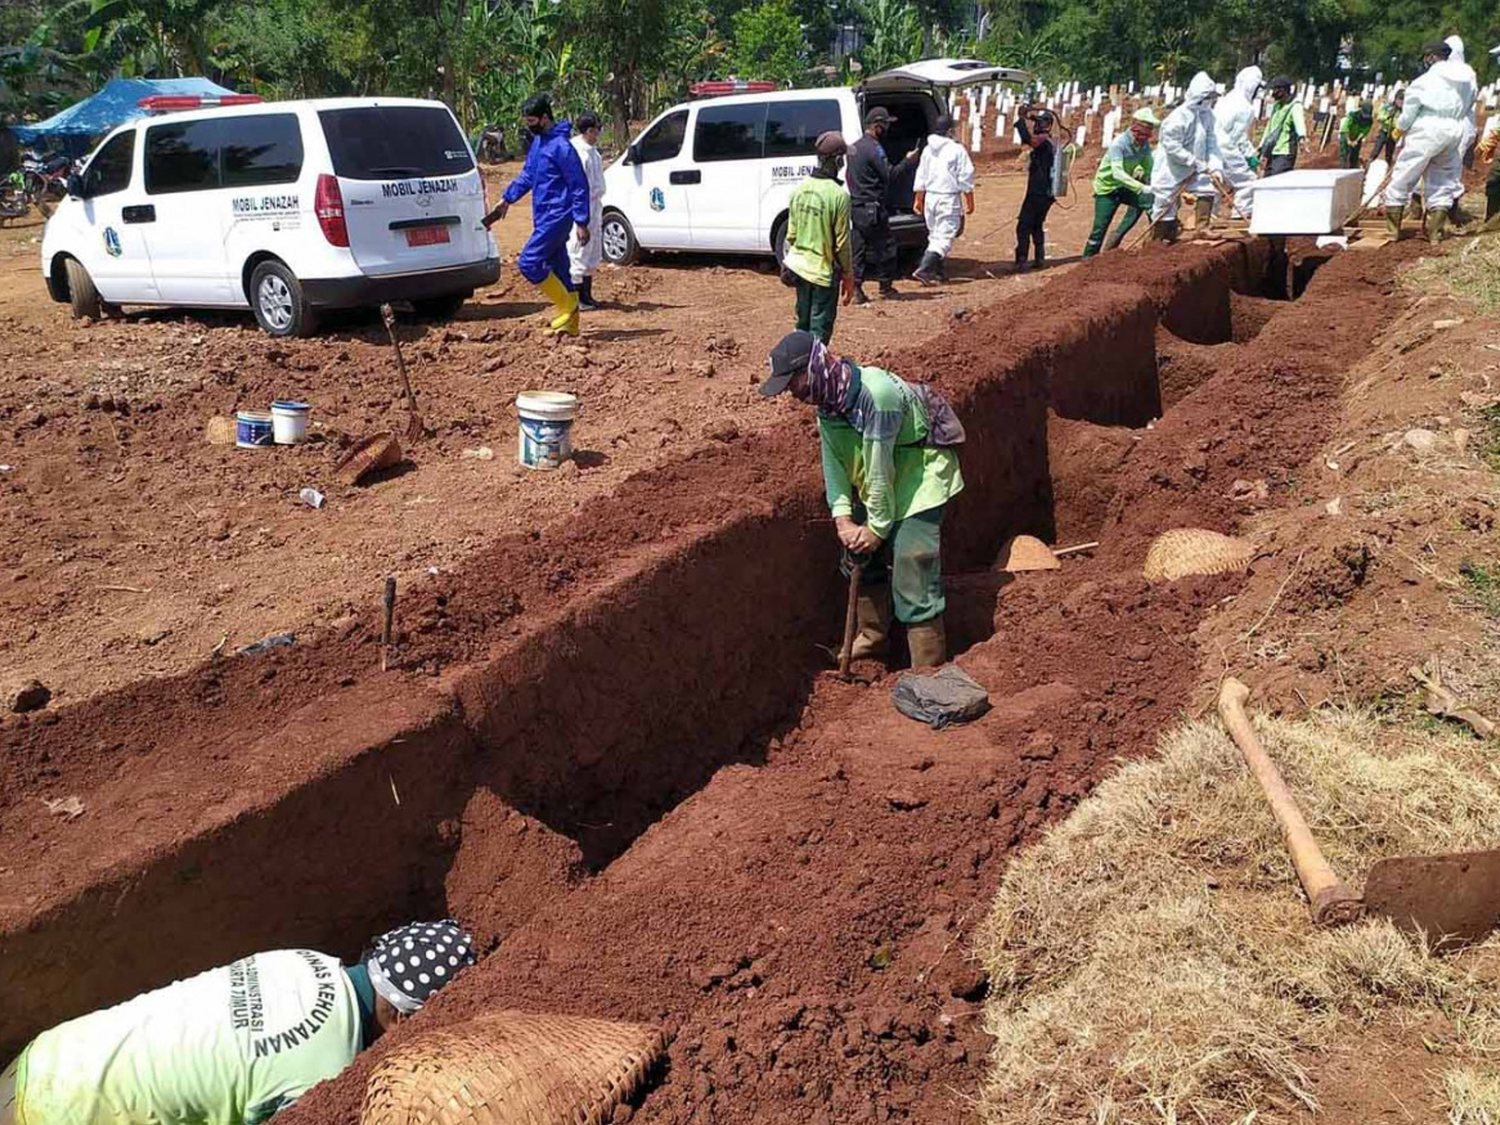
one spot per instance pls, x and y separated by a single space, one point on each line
768 43
893 34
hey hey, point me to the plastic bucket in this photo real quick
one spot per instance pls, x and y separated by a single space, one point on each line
252 429
289 422
546 437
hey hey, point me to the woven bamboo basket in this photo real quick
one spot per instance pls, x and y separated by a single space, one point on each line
1189 550
512 1068
378 451
1026 552
220 430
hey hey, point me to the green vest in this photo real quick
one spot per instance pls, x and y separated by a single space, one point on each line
228 1047
817 231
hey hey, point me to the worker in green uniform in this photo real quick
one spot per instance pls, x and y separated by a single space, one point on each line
1286 129
1353 130
1383 147
819 256
1121 181
890 466
234 1045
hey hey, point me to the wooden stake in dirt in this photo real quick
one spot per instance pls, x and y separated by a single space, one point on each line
1332 902
414 427
851 612
390 614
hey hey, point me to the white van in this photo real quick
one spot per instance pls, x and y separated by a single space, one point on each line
283 207
716 175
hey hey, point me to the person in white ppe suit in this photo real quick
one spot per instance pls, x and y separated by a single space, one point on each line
1233 117
584 259
944 195
1456 69
1432 123
1187 153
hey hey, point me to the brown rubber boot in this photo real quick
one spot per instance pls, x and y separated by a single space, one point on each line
928 643
1203 212
873 613
1437 226
1393 223
1164 230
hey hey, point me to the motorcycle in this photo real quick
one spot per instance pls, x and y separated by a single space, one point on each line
492 148
14 202
45 178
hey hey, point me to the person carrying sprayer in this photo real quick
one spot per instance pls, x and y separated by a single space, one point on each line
233 1045
1286 130
1187 157
890 466
1032 220
944 196
1233 116
559 189
1432 124
584 256
1121 182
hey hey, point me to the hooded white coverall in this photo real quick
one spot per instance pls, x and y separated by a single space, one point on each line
1432 120
584 260
1232 118
946 174
1188 150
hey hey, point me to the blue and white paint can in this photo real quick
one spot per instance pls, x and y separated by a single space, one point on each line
252 429
546 437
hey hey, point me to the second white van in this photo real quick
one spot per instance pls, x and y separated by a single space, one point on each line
717 174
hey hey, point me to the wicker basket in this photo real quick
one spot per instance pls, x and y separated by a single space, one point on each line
378 451
1189 550
1026 552
220 430
512 1068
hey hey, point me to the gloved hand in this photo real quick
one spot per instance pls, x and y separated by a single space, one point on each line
968 203
1253 160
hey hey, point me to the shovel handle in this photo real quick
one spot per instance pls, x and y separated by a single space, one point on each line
850 613
1331 900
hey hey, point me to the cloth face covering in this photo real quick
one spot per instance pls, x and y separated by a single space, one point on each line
828 381
409 964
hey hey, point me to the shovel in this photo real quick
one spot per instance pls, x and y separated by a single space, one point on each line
414 427
1452 900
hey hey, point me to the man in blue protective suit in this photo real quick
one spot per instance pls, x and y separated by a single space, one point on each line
559 189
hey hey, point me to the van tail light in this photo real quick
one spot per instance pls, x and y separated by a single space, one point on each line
328 203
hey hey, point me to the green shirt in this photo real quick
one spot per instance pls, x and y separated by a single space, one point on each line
1126 165
874 451
228 1047
817 230
1353 129
1285 122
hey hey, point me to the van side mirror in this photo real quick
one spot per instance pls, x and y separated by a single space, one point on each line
633 154
75 186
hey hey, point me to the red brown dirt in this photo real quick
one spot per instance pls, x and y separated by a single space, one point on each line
800 927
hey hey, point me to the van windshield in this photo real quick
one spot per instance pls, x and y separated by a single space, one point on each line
395 142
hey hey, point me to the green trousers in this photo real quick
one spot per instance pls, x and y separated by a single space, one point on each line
910 560
1105 207
817 308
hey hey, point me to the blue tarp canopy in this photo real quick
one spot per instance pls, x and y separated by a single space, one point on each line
83 122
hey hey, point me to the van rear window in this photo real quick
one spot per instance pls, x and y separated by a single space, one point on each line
395 142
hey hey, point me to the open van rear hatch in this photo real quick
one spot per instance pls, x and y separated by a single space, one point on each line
942 74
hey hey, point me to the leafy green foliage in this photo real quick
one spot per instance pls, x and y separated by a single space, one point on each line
768 43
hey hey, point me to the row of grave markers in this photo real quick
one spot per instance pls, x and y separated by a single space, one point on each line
1080 108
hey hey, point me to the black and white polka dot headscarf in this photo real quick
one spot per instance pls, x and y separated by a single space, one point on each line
409 964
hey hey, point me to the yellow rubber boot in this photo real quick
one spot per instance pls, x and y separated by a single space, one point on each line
565 301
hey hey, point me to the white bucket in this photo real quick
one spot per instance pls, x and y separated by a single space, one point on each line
546 435
289 422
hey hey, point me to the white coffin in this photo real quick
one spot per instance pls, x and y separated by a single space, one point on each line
1306 201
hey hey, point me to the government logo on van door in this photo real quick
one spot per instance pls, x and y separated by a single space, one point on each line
658 199
112 245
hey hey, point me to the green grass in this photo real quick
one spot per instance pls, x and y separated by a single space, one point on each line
1470 272
1489 443
1483 584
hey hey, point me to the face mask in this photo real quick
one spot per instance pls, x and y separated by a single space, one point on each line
537 130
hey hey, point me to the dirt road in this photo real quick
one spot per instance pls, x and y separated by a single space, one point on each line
131 547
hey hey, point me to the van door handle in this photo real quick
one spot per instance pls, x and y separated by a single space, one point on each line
693 177
145 213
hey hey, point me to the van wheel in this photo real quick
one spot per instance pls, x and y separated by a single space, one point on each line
82 295
778 241
620 247
441 308
280 307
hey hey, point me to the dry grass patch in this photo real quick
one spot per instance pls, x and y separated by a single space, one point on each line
1152 961
1470 272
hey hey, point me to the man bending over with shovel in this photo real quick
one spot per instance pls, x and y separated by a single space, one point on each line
890 466
234 1045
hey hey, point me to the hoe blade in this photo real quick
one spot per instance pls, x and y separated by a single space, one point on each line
1454 899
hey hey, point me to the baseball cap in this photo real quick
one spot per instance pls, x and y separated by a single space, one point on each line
791 355
831 144
879 116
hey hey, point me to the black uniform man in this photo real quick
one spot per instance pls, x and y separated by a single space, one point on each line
870 175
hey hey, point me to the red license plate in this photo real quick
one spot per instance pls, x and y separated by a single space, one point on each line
426 236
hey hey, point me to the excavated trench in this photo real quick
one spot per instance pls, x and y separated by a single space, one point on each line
567 706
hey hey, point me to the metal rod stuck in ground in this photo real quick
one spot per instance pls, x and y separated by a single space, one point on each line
390 614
